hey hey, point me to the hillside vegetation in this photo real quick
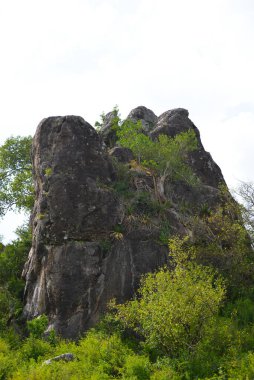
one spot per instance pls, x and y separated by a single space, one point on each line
192 319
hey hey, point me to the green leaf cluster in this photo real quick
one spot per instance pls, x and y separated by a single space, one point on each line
12 260
16 184
173 307
164 156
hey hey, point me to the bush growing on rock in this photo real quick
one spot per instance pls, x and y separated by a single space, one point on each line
165 156
174 307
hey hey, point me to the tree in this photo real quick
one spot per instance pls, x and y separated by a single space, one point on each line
222 242
246 193
16 184
12 260
165 157
174 307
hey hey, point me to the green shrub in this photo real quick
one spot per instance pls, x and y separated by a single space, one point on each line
242 311
34 348
241 368
174 308
219 342
37 326
136 367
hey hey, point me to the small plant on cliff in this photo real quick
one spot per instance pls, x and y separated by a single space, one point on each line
48 172
163 158
37 326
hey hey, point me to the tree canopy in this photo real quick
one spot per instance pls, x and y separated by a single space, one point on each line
165 156
246 193
16 184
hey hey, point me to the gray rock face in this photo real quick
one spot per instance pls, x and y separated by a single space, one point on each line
68 357
107 133
79 260
69 276
176 121
69 168
147 117
172 122
123 155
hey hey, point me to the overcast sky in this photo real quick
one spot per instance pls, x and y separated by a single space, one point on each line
83 57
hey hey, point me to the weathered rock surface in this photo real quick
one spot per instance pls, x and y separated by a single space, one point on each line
176 121
68 357
145 115
86 248
107 133
123 155
173 122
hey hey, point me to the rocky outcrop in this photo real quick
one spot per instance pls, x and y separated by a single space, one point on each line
87 246
173 122
108 133
146 116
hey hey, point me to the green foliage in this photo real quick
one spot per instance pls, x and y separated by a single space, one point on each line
16 185
246 193
48 172
122 184
137 367
220 341
99 124
34 348
221 242
176 327
174 307
9 307
8 360
37 326
12 260
164 156
221 353
97 357
165 232
242 368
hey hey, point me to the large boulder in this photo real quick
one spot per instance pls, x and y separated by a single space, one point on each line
89 246
176 121
172 122
70 275
145 115
107 131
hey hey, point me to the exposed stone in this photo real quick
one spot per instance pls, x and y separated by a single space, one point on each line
145 115
79 261
69 167
68 357
172 122
177 121
107 133
123 155
68 275
205 168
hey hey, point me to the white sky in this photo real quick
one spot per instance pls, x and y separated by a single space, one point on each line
83 57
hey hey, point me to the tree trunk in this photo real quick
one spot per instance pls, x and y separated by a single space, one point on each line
159 187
